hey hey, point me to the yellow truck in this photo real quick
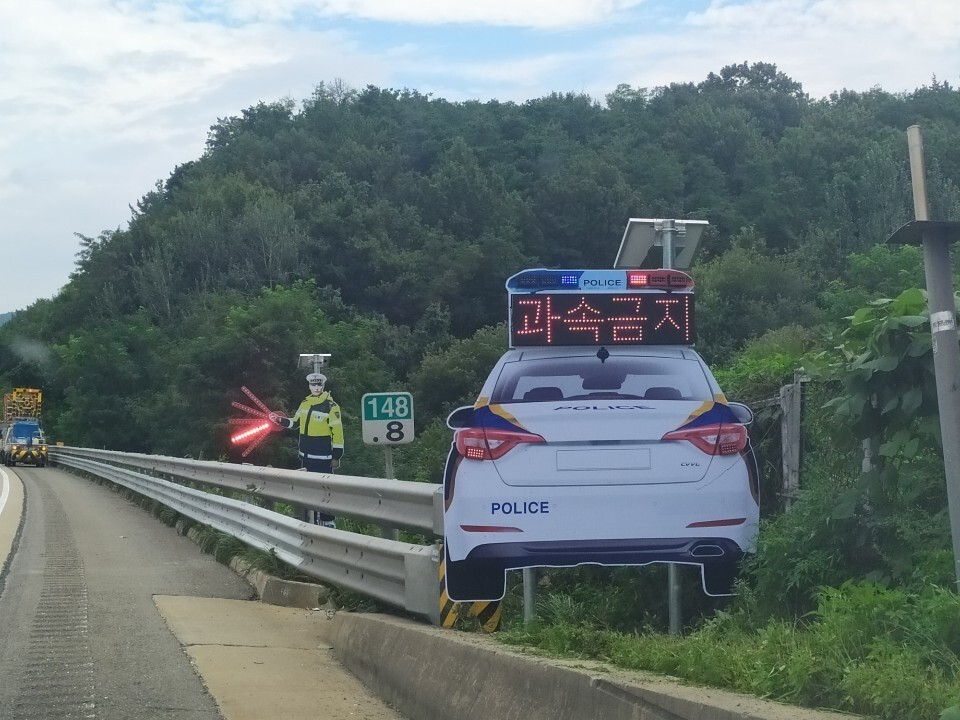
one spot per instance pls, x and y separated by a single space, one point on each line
22 403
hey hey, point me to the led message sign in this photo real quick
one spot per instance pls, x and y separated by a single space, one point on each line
565 318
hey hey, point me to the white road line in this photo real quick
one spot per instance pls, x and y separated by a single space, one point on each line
4 489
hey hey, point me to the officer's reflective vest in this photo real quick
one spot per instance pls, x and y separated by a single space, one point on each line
321 428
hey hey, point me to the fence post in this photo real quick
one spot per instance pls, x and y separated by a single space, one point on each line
791 420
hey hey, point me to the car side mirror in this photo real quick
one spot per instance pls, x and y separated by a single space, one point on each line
743 413
461 417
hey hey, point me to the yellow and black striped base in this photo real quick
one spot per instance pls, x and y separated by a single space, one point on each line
466 615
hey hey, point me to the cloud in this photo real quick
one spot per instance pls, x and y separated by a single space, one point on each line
547 14
520 78
922 21
97 64
827 45
100 99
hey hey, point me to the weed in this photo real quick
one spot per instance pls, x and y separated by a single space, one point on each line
864 648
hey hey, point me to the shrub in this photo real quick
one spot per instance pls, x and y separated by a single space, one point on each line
865 648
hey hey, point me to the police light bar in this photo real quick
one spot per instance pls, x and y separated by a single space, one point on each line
599 280
601 307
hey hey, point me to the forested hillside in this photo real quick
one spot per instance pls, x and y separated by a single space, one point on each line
379 225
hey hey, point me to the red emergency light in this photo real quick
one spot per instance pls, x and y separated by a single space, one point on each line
658 279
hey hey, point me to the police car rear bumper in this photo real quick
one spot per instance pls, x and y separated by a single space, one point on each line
637 551
481 575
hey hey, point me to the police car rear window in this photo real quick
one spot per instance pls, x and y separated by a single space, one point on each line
586 378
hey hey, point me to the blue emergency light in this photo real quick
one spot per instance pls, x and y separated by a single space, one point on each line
534 280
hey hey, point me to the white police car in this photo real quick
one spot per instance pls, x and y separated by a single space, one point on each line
601 436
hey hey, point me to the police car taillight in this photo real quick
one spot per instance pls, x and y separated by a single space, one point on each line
713 439
490 444
658 279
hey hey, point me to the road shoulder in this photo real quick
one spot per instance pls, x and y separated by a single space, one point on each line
11 514
260 661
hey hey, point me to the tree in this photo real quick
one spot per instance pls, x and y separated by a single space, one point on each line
889 403
745 292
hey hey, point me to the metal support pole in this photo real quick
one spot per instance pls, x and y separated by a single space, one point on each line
673 583
529 595
388 532
388 461
943 327
667 230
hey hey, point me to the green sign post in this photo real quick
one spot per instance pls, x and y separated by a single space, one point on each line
387 418
387 421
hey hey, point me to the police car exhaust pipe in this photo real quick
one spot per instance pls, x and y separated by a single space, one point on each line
707 551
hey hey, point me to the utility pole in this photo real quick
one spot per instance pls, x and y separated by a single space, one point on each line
936 236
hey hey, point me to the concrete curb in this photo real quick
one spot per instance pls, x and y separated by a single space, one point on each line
286 593
273 590
429 673
433 674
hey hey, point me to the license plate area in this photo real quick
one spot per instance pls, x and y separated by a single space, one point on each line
603 459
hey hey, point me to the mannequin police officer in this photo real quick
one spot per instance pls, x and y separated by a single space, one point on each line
321 432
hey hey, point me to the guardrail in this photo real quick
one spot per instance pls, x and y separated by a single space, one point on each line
403 575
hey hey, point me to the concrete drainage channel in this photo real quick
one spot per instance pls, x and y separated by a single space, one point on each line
433 674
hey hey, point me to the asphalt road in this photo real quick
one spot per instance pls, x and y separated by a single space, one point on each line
80 634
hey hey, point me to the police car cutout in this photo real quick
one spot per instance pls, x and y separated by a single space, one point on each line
601 437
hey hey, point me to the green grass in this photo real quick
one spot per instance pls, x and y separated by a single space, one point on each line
866 649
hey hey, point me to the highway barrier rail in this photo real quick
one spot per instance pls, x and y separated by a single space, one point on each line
400 574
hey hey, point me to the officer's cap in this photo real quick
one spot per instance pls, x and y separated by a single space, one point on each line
317 379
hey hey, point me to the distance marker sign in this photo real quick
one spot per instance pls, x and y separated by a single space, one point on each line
387 418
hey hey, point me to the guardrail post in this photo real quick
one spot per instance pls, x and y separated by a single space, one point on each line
422 584
302 513
438 512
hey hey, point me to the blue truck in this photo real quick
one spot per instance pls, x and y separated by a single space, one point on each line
21 437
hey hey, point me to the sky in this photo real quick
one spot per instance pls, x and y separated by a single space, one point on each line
102 99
